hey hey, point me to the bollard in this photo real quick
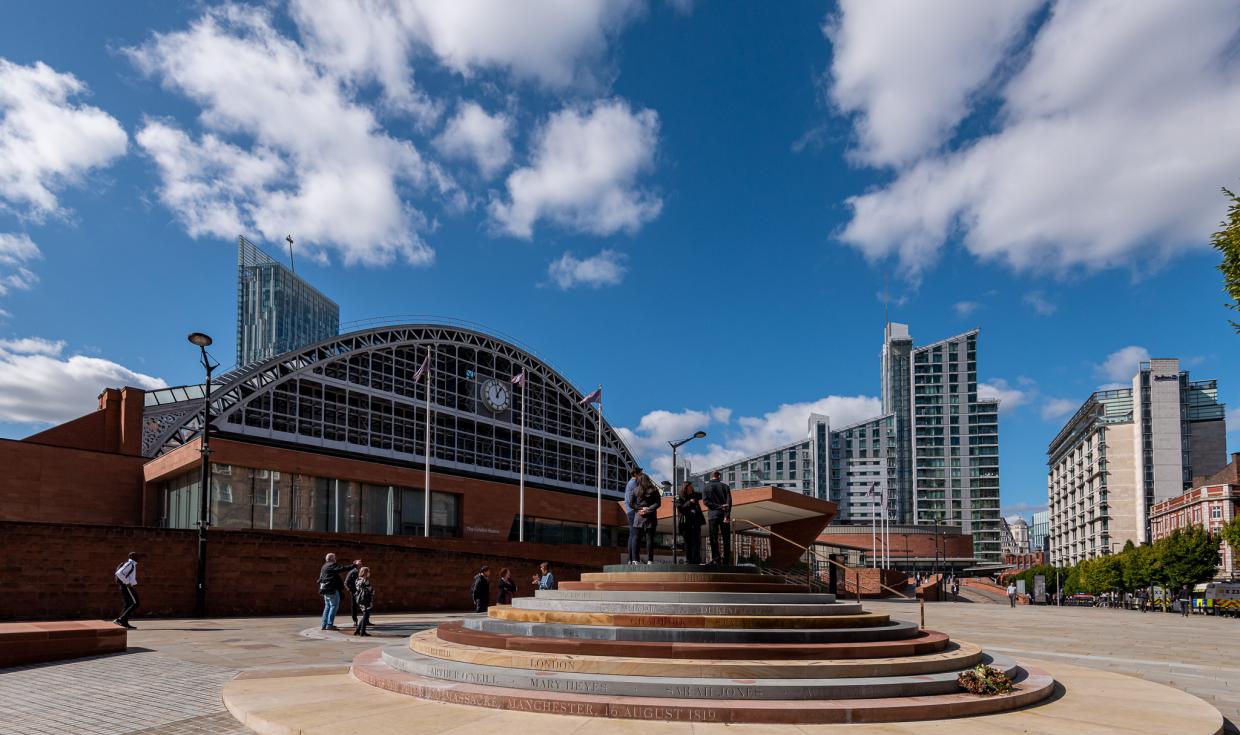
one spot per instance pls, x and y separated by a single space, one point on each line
923 612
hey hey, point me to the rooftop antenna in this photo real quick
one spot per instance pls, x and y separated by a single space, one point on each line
289 240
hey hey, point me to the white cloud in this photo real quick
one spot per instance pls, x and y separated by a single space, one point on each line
317 163
37 386
474 135
605 269
1121 365
47 141
1022 510
1039 303
906 70
1009 397
553 42
16 253
1109 144
965 308
750 435
583 173
1055 408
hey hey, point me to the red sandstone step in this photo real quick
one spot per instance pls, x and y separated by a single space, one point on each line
1032 686
29 643
686 586
927 642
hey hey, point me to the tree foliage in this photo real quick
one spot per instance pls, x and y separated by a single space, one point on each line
1231 534
1227 242
1188 556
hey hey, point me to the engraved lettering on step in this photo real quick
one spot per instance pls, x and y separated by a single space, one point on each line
552 664
566 685
691 691
473 677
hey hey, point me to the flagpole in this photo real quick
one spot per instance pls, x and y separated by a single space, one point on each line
426 472
599 471
521 502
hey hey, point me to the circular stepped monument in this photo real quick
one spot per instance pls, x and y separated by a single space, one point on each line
690 649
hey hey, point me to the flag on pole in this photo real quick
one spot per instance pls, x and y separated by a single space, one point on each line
426 362
519 379
595 397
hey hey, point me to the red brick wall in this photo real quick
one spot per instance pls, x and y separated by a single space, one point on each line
870 578
921 545
54 571
62 485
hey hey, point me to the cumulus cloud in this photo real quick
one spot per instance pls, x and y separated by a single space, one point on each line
965 308
285 148
1121 365
1037 301
46 140
474 135
39 386
729 440
906 70
555 43
1009 397
605 269
1022 510
583 173
16 253
1109 140
1056 408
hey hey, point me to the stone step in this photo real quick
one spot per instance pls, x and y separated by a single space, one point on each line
739 598
685 608
686 586
408 660
644 577
920 643
817 622
659 568
889 631
955 657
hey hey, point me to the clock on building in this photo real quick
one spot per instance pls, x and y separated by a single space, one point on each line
495 395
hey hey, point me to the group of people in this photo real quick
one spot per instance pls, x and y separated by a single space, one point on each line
480 589
642 500
360 593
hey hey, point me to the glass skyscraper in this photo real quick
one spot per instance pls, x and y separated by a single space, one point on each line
277 311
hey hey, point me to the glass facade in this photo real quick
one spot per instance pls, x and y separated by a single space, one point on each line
277 311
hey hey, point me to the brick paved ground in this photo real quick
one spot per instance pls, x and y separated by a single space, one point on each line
169 682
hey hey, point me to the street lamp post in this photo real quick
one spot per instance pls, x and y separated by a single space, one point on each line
202 342
675 491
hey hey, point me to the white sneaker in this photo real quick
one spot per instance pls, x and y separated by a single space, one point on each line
649 562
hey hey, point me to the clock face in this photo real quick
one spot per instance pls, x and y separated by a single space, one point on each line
495 395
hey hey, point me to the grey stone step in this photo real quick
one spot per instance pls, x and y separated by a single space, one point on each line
685 608
409 661
890 632
729 598
693 568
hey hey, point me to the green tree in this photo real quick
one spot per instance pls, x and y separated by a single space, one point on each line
1227 242
1231 534
1138 566
1188 556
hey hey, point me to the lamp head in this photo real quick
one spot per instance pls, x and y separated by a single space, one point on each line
198 339
699 435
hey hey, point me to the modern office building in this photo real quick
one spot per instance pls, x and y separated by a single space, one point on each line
934 451
1039 532
277 312
1123 451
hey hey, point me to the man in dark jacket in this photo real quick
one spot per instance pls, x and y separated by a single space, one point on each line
330 587
350 584
480 590
717 497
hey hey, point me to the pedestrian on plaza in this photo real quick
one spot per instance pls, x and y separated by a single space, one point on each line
1185 601
330 587
644 520
689 506
126 576
546 580
630 493
718 499
1011 593
507 587
955 591
1142 599
350 585
363 599
480 590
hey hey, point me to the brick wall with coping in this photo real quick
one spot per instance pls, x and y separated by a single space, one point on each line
59 571
870 578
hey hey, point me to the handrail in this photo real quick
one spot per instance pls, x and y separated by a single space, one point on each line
829 559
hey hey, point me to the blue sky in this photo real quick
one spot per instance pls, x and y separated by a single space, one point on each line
694 204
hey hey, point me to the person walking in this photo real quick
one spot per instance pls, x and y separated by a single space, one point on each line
689 505
546 579
480 590
127 581
1011 593
363 599
350 585
955 591
1143 598
718 499
644 520
507 588
1185 601
330 587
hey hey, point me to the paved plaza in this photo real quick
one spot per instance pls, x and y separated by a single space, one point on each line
170 680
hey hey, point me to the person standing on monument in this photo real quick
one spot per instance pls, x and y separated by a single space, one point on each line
691 522
644 520
718 499
630 493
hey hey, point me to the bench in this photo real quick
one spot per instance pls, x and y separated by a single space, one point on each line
29 643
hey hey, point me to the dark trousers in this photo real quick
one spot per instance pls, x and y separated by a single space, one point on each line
129 598
480 605
718 530
636 533
693 543
365 621
348 594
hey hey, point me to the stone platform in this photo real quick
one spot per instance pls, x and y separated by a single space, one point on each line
29 643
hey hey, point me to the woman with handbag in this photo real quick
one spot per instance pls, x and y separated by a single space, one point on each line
688 504
363 600
645 519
